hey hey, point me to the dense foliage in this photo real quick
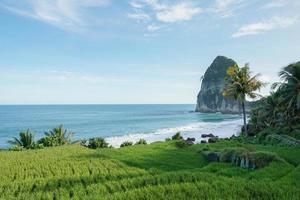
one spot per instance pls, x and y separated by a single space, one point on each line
155 171
126 144
95 143
25 140
279 113
177 136
56 137
141 141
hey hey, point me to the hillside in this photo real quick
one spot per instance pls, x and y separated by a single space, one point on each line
156 171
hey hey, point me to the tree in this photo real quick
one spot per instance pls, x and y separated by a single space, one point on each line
290 87
26 140
239 84
289 90
56 137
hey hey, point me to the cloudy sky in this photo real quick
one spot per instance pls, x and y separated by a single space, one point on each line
136 51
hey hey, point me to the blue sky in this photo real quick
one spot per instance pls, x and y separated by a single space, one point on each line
136 51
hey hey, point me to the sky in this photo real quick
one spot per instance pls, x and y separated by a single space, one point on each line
136 51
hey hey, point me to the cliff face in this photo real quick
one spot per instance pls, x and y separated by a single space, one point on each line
210 98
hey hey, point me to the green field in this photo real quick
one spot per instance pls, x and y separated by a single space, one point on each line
156 171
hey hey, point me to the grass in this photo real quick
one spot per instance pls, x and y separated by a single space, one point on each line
156 171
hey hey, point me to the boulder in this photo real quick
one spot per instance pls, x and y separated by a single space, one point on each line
207 135
213 140
190 141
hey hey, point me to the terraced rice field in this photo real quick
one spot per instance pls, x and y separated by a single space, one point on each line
156 171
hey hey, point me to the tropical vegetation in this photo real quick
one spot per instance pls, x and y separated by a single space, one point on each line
278 115
25 140
126 144
56 137
239 84
141 141
95 143
156 171
262 164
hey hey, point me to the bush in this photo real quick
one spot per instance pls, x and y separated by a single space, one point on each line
95 143
177 136
47 141
56 137
168 139
25 140
37 146
126 144
262 159
141 141
181 144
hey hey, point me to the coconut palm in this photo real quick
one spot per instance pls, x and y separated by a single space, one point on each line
239 84
57 136
26 140
290 87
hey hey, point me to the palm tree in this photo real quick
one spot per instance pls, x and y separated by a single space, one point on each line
271 108
239 84
26 140
290 87
289 90
58 136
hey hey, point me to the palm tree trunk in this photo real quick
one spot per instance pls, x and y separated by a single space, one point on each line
245 120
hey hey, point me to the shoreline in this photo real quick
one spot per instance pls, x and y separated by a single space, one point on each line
222 129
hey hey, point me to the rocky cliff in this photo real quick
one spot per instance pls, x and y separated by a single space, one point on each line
210 98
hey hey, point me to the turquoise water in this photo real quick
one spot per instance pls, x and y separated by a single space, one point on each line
114 122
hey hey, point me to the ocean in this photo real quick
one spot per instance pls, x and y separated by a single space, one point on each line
116 123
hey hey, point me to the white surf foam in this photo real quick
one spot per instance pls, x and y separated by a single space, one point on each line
222 129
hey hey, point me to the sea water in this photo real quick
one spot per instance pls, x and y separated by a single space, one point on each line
116 123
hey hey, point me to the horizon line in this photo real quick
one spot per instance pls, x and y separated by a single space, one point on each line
78 104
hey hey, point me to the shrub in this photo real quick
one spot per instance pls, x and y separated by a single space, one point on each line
262 159
177 136
141 141
56 137
126 144
168 139
25 140
181 144
95 143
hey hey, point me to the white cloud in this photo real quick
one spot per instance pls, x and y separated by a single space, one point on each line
158 12
265 26
226 8
178 12
66 14
172 12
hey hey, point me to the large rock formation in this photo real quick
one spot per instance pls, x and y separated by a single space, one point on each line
210 98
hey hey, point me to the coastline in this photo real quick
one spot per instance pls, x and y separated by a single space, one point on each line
222 129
